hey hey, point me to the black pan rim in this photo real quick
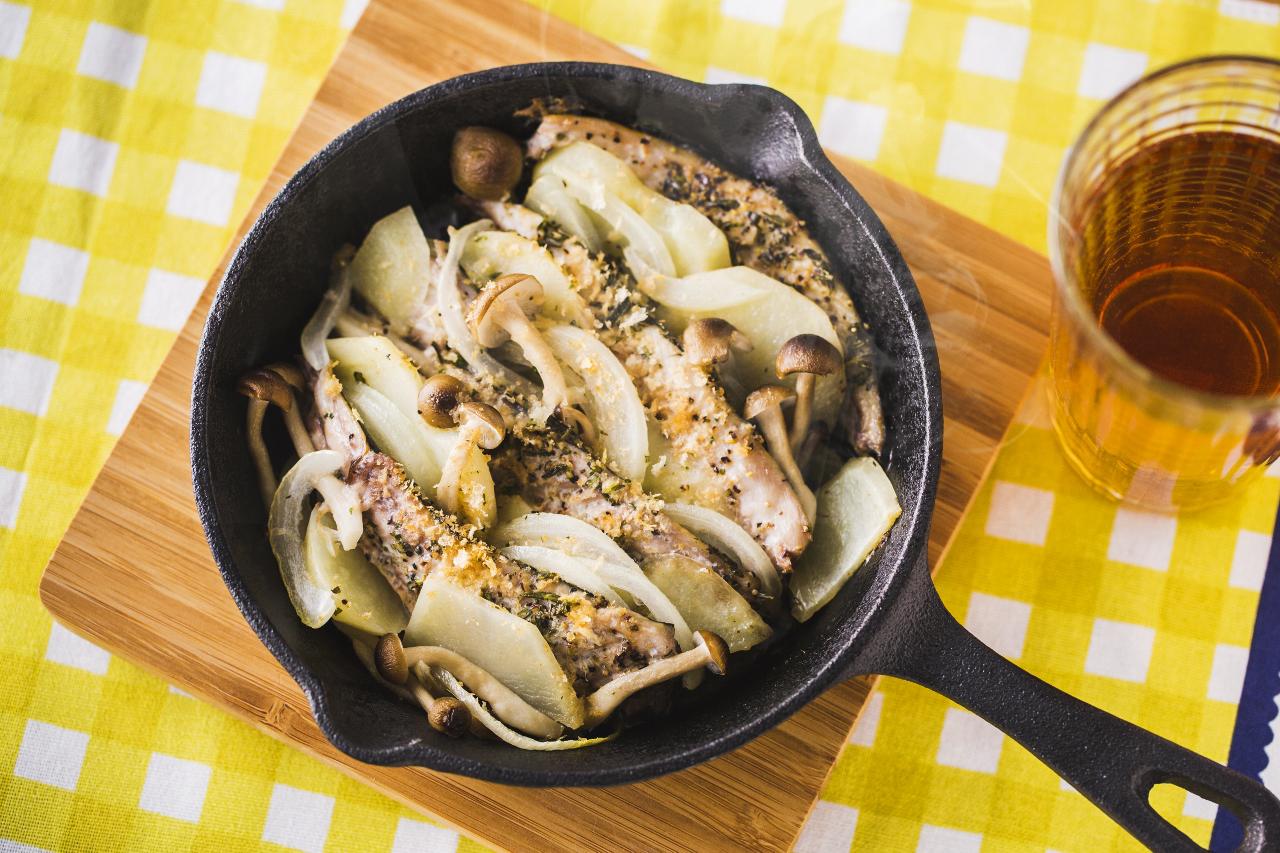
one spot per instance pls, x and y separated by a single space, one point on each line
860 622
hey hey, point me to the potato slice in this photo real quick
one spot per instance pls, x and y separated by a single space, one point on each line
856 508
693 241
391 269
491 254
707 602
510 648
362 597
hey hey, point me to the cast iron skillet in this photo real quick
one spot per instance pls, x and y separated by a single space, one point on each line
887 620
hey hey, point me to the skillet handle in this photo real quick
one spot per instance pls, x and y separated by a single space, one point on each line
1112 762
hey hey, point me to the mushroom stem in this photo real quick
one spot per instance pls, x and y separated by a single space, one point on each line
764 406
709 651
479 425
555 392
292 377
499 314
258 450
445 714
449 489
272 385
803 412
806 357
395 662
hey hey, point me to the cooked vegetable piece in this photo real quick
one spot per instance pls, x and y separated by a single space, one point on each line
286 529
624 229
572 570
612 403
613 565
548 196
856 508
382 384
409 442
774 316
510 648
552 530
334 303
381 365
726 535
362 595
391 268
707 602
504 732
452 309
693 243
492 254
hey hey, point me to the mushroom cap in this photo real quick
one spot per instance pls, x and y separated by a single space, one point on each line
267 385
390 660
764 398
717 651
439 398
486 163
491 427
449 716
519 289
807 354
708 340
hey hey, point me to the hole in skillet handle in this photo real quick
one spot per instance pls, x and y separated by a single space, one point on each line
1113 763
1175 804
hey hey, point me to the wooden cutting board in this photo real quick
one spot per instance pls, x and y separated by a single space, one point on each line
134 575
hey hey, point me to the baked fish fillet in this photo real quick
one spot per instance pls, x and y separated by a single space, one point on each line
724 453
763 233
408 539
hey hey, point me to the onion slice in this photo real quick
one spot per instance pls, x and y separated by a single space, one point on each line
335 301
613 403
449 302
624 226
547 195
564 533
287 525
724 534
404 439
500 729
575 537
572 570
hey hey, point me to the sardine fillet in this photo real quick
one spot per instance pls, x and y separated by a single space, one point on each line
763 233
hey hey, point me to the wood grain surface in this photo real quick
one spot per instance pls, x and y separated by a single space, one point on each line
134 574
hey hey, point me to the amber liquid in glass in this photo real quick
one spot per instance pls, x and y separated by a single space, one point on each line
1184 267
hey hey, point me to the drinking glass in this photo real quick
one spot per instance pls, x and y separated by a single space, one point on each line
1164 237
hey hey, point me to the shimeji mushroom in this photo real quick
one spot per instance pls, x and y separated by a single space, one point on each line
486 163
479 424
272 386
395 664
764 406
806 357
446 715
709 651
711 342
440 396
501 311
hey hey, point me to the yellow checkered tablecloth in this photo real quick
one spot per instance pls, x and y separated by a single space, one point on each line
134 135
